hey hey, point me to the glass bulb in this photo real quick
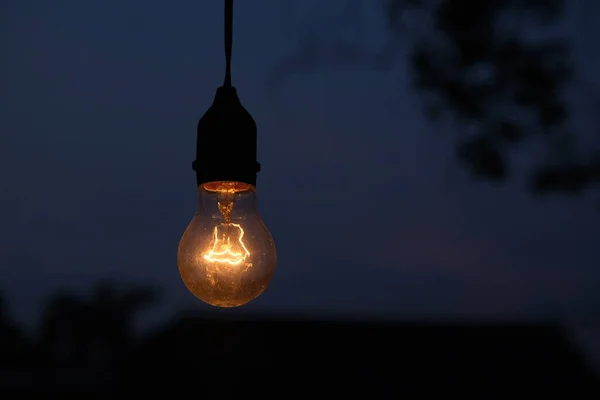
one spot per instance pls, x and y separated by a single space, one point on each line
226 256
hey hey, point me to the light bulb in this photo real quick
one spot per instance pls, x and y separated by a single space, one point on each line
226 256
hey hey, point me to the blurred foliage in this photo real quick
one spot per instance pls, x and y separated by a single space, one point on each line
476 64
78 330
506 88
86 345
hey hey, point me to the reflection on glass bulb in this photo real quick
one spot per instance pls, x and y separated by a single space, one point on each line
226 255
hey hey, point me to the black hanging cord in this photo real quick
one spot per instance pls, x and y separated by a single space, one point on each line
228 39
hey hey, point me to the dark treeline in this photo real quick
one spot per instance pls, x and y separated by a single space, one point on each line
86 345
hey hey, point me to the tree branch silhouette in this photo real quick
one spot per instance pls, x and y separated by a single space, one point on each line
475 64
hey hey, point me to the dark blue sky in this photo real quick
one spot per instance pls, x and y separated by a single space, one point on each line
98 106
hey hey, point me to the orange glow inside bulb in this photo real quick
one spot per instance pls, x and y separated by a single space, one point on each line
226 256
227 246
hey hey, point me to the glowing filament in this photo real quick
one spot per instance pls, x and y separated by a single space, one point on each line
227 249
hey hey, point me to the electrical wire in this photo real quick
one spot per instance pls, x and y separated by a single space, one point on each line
228 40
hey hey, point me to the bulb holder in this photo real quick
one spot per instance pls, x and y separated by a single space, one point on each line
226 143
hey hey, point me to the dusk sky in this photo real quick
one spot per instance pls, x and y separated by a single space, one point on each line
370 213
